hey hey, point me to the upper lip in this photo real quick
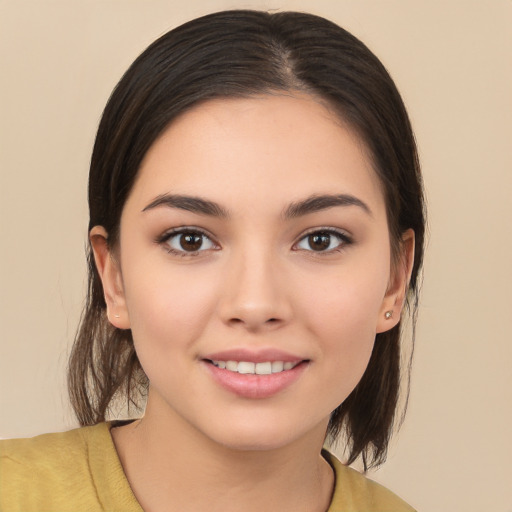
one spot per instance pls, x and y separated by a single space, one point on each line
253 356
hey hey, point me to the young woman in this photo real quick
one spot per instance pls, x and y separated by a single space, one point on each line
256 230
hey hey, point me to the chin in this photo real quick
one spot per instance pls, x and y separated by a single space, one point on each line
266 436
257 443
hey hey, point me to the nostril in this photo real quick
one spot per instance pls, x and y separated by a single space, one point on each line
270 322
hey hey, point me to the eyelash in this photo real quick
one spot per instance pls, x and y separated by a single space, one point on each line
344 240
169 235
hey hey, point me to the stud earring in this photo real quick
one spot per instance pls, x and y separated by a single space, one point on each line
388 314
116 316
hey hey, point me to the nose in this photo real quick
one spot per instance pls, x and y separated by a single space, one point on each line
254 295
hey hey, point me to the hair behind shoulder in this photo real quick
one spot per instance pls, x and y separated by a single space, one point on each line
239 54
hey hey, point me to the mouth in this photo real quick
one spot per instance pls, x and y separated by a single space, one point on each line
255 375
251 368
255 380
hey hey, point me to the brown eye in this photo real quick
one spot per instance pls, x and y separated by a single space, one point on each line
183 242
191 241
319 241
323 241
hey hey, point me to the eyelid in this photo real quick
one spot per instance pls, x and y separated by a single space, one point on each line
344 236
167 235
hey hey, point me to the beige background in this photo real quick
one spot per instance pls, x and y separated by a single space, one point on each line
452 62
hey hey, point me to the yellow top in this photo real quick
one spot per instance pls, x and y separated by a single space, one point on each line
80 471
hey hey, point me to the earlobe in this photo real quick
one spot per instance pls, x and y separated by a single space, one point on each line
111 278
396 294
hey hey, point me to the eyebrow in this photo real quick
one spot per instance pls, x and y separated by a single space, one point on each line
318 203
192 204
296 209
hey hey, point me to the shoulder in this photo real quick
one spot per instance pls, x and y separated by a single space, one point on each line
58 471
22 451
47 456
355 492
51 454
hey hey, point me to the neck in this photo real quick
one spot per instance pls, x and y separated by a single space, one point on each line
167 461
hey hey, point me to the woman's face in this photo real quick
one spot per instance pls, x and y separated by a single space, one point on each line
255 237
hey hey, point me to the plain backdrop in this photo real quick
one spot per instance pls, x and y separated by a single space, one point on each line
451 60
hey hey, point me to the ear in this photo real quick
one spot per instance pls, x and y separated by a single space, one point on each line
111 278
394 300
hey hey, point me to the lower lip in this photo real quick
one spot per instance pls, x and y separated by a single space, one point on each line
255 386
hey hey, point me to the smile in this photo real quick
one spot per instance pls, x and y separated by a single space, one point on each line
255 373
250 368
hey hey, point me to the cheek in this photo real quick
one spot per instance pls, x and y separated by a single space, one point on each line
347 302
347 329
342 312
165 306
348 338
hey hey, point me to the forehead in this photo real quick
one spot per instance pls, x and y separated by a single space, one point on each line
272 147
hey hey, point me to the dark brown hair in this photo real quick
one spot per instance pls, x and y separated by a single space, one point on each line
239 54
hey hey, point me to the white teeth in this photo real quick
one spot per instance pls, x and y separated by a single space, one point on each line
277 366
232 366
263 368
246 367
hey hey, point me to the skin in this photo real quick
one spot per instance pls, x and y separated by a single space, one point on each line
256 284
